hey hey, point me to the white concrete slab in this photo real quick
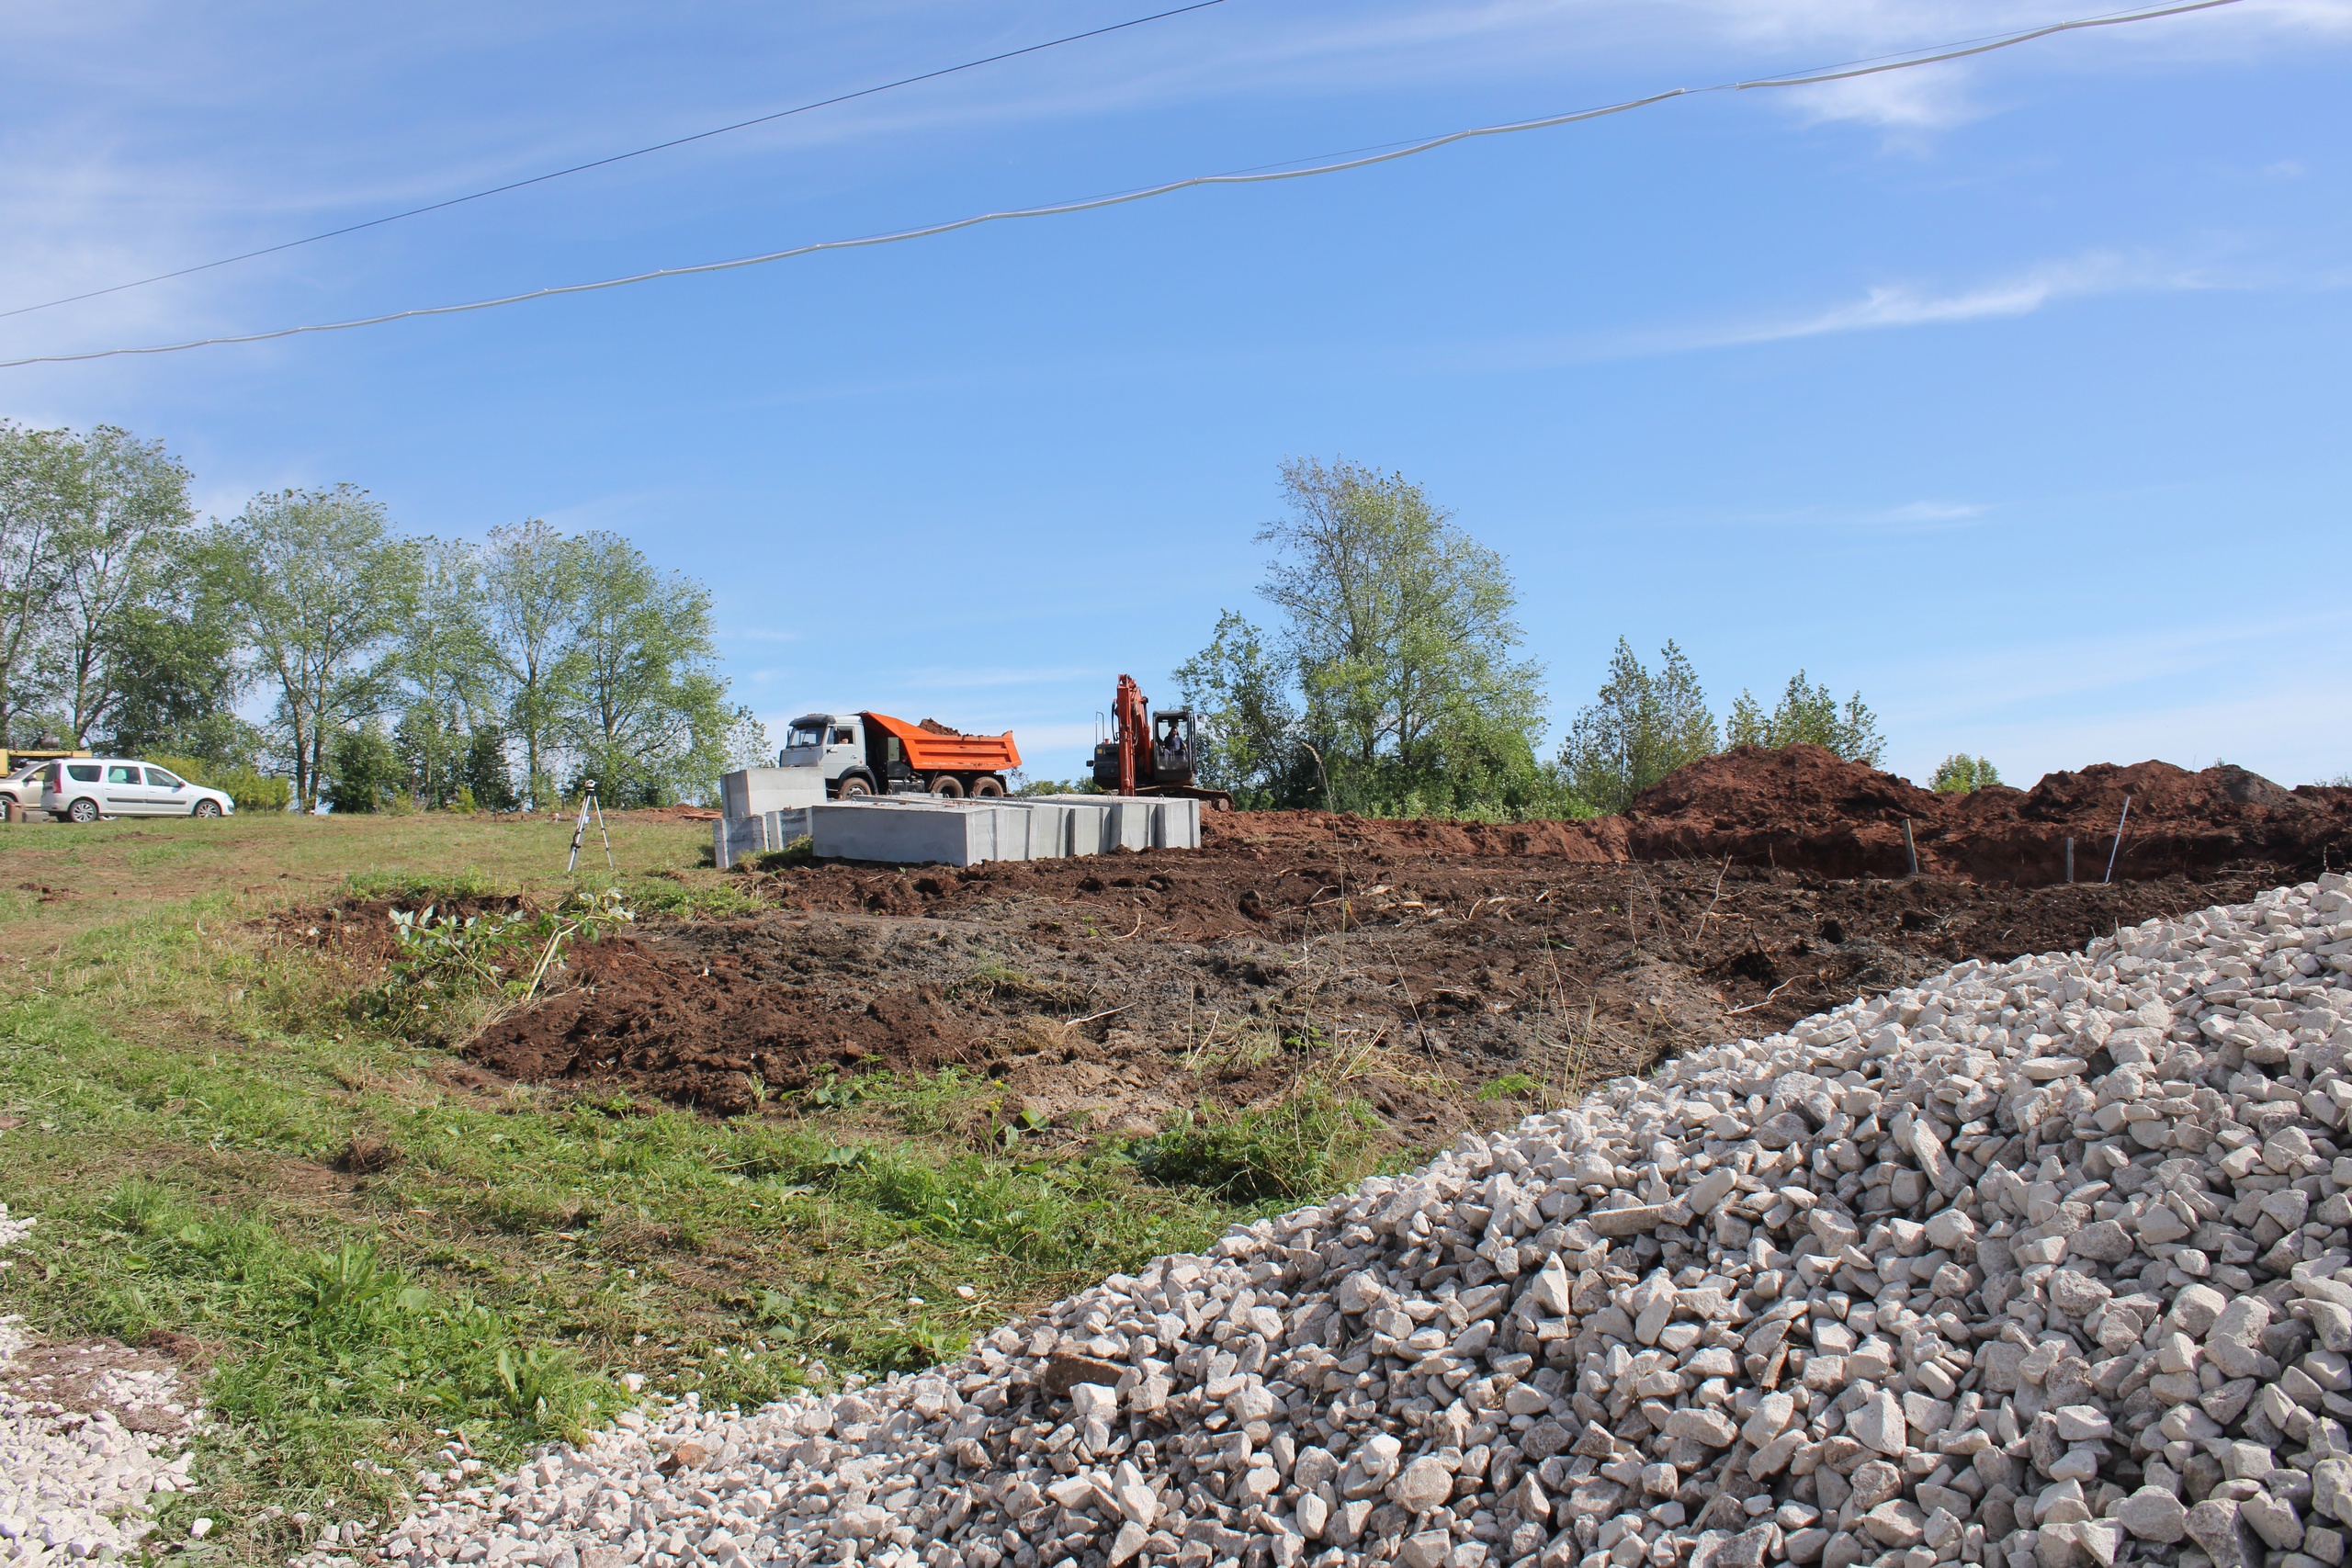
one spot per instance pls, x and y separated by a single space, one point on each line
1142 821
755 792
903 833
737 838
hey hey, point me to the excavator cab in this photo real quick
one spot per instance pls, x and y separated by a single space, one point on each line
1173 742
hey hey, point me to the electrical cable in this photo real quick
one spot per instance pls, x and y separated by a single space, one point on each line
615 158
1089 204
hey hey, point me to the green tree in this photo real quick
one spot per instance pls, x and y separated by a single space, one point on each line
1809 716
533 578
486 776
1399 631
123 507
322 589
365 772
649 716
446 667
36 481
1248 745
1642 726
1959 773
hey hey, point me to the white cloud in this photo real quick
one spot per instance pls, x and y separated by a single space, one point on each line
1933 513
1932 98
2021 294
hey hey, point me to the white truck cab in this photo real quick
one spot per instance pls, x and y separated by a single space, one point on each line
832 743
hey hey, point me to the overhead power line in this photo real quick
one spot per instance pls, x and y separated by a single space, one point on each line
1406 149
615 158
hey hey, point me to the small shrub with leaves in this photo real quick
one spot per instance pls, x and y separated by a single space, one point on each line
456 958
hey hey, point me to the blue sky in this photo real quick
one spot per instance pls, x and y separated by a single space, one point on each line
2012 392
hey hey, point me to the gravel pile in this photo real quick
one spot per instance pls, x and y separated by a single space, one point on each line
88 1432
2036 1265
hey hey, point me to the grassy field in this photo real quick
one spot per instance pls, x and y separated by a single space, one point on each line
223 1137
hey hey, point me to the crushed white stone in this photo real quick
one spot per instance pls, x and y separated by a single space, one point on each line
75 1484
2041 1264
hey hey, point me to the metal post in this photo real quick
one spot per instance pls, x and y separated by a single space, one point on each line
1910 851
2118 850
2070 863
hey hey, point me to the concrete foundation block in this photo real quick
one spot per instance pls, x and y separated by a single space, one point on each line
1141 822
737 838
755 792
903 833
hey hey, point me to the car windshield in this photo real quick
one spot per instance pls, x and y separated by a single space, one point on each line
158 776
811 733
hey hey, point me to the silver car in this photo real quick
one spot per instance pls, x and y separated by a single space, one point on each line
83 790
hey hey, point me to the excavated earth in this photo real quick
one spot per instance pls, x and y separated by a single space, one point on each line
1415 962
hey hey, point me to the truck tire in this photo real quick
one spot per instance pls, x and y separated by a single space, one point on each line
988 787
947 785
856 786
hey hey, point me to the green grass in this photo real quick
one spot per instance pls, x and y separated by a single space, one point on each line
188 1086
1309 1141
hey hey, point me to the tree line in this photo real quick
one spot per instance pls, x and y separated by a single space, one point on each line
1391 680
391 669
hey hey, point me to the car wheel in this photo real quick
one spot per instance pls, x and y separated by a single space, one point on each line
83 810
207 808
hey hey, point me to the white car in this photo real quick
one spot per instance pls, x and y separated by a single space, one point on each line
83 791
22 788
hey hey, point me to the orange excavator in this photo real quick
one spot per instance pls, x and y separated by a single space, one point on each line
1151 753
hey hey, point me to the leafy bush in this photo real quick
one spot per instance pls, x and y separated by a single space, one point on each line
366 771
250 790
1307 1143
1960 773
458 957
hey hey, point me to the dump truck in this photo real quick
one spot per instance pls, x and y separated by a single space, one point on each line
872 753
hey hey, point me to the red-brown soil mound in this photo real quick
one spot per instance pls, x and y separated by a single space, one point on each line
1803 810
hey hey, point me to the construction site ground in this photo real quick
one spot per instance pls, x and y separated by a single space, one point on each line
843 1116
1101 994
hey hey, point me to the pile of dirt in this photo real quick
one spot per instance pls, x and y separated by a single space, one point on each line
1802 808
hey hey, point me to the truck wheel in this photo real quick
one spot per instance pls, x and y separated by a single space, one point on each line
988 787
948 785
853 787
83 810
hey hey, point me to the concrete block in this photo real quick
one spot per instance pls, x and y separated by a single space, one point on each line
755 792
904 833
1142 821
737 838
1052 830
784 827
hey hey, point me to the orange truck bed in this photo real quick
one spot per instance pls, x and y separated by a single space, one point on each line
931 748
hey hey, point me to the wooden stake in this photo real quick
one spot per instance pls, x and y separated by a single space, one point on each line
1910 851
2070 863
